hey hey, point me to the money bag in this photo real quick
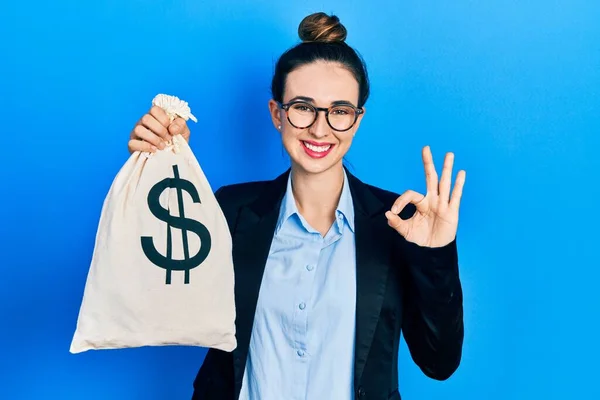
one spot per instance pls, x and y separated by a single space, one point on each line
162 269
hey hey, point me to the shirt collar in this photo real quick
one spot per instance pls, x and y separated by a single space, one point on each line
344 210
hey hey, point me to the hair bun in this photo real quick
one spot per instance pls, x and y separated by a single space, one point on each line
320 27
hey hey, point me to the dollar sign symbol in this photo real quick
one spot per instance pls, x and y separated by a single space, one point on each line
181 222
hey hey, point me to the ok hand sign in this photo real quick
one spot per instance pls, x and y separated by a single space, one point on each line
435 222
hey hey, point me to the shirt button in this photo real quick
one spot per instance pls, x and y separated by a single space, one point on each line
310 267
302 306
300 353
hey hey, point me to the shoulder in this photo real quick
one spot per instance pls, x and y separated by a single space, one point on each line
386 197
233 197
238 194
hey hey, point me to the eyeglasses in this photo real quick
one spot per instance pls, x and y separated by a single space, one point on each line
340 118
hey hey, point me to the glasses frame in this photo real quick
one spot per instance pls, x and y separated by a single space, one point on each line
286 107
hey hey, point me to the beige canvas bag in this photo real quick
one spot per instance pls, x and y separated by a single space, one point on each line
161 270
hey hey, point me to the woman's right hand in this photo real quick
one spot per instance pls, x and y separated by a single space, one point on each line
153 130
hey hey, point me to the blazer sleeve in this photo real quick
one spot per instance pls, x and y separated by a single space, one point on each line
215 378
228 207
432 323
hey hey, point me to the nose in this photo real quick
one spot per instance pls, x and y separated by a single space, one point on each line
320 128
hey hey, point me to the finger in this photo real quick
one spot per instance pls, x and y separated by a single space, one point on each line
458 189
445 181
140 132
431 177
160 115
155 124
410 196
179 127
400 225
140 145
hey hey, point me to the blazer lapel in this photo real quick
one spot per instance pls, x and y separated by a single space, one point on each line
252 240
371 270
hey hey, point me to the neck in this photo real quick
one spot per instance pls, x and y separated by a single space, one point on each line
318 194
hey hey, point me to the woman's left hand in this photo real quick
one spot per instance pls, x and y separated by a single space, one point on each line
435 222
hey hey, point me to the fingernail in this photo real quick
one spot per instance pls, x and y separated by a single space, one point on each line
154 149
395 210
161 145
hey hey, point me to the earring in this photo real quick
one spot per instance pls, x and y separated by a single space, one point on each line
279 127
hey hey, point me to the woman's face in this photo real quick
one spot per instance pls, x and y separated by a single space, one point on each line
319 147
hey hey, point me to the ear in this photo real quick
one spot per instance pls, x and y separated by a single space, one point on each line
358 120
275 112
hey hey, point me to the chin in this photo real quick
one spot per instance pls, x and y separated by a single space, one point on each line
314 169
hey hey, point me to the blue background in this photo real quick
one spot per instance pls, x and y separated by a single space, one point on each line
512 87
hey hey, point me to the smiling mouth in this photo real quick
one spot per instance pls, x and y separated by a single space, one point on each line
316 150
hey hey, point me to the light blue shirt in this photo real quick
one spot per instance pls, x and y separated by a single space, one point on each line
302 343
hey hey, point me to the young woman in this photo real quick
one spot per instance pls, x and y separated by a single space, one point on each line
329 270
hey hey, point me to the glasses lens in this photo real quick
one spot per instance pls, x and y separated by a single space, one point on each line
341 117
301 115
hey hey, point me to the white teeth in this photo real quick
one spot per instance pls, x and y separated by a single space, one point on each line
318 149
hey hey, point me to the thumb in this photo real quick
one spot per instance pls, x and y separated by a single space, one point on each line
397 223
177 126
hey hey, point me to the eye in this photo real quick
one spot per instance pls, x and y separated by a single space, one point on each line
302 107
342 111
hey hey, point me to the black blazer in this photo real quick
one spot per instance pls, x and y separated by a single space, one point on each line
400 287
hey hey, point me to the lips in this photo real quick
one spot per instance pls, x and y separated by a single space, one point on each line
316 149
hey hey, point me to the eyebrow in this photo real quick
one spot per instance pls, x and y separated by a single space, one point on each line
311 100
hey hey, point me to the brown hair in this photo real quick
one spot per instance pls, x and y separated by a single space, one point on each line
320 27
323 38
